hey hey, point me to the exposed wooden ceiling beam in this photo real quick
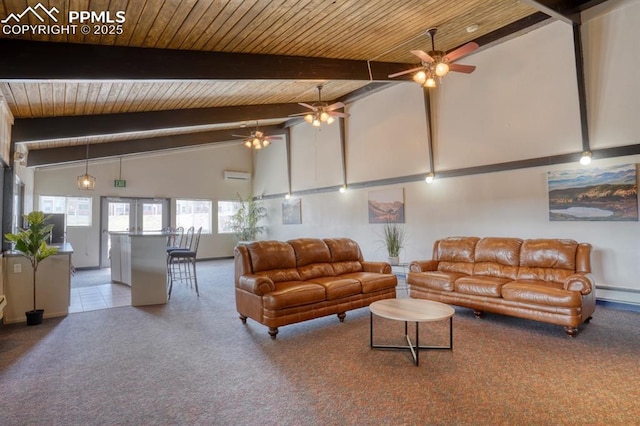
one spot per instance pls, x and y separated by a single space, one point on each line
48 156
22 59
48 128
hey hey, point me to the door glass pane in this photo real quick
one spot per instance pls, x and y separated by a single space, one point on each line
118 217
152 216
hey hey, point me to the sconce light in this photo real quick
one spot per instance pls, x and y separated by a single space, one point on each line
287 196
86 182
343 189
430 177
585 160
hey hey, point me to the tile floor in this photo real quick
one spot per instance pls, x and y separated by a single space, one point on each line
100 296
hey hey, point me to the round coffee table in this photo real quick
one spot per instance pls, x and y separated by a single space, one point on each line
411 310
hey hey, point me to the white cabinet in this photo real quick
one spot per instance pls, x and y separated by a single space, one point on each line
53 289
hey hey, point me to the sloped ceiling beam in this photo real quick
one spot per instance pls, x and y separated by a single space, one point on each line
22 59
67 154
38 129
564 10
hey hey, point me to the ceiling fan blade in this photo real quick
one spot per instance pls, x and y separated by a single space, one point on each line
461 51
467 69
298 114
339 114
337 105
241 136
307 106
273 138
423 56
398 74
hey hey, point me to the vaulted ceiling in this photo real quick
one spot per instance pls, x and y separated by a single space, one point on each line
180 73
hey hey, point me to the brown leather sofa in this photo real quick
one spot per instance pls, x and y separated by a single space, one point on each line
279 283
546 280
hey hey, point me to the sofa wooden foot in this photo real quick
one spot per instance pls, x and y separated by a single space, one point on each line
243 319
478 314
588 320
342 316
571 331
273 332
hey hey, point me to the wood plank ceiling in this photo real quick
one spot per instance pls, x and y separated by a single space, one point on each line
214 65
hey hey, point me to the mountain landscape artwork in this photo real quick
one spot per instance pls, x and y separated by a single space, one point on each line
386 206
594 194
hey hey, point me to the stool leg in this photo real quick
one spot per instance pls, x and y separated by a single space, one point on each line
195 277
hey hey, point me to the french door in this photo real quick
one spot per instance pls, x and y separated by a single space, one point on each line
130 215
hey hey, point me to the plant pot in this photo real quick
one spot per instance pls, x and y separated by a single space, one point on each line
394 260
34 317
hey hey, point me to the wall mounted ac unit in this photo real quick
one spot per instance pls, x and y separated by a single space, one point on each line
231 175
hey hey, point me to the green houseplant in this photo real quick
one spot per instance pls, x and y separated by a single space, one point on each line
31 242
245 222
393 239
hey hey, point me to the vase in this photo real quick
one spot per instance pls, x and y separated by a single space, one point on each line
394 260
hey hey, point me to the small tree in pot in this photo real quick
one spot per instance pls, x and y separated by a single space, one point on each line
245 222
31 242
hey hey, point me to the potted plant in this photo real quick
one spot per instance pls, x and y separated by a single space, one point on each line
245 222
31 242
393 239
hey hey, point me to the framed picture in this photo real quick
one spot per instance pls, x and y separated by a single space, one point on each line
594 194
386 206
292 212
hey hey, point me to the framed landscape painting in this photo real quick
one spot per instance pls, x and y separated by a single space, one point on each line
594 194
386 206
292 212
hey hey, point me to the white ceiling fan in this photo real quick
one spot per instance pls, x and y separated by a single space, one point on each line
321 112
438 64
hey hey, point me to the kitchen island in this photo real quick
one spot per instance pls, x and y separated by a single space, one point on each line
139 260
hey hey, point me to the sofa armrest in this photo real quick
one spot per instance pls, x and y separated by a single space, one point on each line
582 282
256 284
377 267
423 265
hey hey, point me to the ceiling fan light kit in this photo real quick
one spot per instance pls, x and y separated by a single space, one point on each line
438 64
321 112
257 139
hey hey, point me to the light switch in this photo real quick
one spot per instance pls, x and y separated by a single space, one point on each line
17 268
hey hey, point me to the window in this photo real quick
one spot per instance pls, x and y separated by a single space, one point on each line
226 209
76 209
194 213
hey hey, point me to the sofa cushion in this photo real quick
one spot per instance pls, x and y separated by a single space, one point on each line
540 293
497 257
293 293
343 249
341 268
338 287
310 250
434 280
456 249
315 270
372 281
481 285
548 253
266 255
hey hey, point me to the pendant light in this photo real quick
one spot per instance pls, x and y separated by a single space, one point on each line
86 182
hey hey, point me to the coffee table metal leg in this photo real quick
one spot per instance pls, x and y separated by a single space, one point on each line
415 349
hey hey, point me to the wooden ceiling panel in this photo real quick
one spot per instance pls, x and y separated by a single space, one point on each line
338 32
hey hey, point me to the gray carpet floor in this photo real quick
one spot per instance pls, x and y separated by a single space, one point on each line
192 362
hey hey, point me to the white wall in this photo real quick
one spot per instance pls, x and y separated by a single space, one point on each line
521 103
190 173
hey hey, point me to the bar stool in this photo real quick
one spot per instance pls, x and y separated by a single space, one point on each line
182 264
